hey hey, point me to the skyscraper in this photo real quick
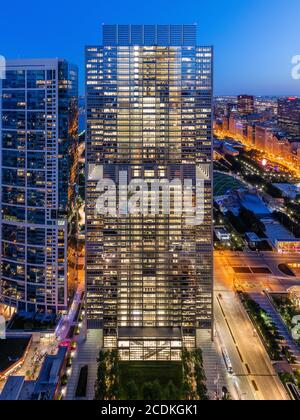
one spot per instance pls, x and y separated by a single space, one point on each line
245 105
289 117
38 106
149 117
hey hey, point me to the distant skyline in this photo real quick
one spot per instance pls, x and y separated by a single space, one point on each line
254 40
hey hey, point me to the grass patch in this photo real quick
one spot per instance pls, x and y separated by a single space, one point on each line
150 380
142 372
223 183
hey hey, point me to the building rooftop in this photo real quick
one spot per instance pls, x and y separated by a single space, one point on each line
12 349
289 190
276 232
12 388
48 379
252 236
253 203
148 35
33 62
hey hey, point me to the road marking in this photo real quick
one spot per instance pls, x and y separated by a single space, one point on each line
231 333
221 308
238 350
248 369
255 386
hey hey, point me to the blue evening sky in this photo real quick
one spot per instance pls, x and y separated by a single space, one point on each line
254 40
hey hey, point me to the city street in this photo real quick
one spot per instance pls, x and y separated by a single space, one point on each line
254 374
274 281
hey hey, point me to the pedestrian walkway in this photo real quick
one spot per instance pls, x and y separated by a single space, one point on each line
283 331
214 367
87 355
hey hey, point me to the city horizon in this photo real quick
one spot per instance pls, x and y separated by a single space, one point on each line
250 53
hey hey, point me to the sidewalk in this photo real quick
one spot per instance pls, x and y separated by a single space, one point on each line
87 355
213 365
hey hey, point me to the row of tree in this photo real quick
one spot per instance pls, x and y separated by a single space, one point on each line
152 391
247 222
108 378
194 379
109 387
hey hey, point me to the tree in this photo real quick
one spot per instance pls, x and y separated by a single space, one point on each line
100 388
147 391
152 391
171 392
156 391
132 391
114 376
187 390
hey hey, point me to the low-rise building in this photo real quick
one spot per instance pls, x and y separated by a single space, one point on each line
46 387
252 239
288 246
288 190
47 384
13 351
222 234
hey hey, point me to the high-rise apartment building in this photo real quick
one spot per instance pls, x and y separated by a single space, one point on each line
289 117
38 126
245 105
149 117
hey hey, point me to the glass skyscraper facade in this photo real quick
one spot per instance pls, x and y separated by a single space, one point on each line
38 126
149 115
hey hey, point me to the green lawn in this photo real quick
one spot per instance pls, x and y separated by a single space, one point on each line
142 372
223 183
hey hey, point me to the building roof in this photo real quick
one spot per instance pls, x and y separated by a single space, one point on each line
252 236
48 379
33 62
254 203
276 232
12 388
289 240
12 349
173 35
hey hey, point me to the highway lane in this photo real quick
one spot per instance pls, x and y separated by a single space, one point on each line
249 353
239 380
254 372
